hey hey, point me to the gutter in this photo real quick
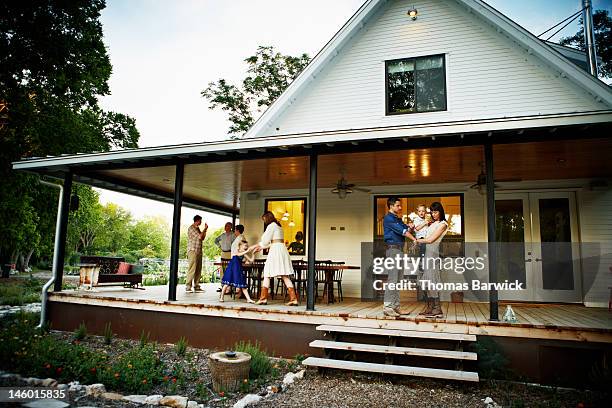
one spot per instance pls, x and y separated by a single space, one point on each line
44 295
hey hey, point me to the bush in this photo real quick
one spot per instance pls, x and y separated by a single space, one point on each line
108 333
492 363
261 366
81 332
136 372
17 293
181 346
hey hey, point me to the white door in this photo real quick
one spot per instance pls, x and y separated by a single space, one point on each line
539 228
556 261
513 232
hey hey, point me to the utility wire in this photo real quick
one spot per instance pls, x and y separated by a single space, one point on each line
561 22
556 32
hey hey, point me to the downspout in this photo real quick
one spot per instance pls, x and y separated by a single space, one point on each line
43 305
589 36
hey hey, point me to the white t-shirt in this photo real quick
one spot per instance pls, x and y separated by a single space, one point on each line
418 221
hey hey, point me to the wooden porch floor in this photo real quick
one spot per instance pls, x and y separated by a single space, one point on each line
549 321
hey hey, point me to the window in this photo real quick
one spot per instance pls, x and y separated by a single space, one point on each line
291 214
452 244
415 85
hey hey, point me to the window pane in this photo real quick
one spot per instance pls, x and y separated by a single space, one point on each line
291 215
430 84
400 86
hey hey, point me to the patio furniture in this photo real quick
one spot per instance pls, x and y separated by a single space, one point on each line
114 270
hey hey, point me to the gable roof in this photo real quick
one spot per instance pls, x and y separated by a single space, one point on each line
502 24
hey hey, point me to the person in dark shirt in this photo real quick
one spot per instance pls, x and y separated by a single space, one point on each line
395 233
297 246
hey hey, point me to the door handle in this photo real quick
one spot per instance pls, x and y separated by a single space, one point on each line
538 259
527 260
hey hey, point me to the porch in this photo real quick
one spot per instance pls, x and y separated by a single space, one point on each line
534 321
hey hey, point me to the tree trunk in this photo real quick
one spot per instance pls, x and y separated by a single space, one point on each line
27 258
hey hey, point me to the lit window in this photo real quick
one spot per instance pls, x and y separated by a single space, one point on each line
291 214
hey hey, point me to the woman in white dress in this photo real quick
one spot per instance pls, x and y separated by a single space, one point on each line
278 263
436 231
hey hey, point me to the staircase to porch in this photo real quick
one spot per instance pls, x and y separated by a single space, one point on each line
391 351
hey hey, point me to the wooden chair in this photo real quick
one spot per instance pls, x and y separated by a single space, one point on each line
337 279
300 280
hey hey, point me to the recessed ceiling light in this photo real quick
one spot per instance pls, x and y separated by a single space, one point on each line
282 173
407 166
561 160
166 180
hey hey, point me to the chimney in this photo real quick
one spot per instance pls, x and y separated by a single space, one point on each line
589 36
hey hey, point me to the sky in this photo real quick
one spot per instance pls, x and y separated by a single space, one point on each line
165 53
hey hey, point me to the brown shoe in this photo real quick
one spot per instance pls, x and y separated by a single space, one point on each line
428 307
292 298
263 299
437 309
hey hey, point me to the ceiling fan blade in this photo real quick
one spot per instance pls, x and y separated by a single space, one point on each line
364 190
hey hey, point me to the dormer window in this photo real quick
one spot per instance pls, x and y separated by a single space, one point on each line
415 85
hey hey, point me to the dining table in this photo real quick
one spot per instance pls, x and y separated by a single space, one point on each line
299 268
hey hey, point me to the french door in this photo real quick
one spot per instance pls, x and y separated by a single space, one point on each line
536 231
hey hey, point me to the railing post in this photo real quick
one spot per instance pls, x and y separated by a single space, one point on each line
312 232
176 231
491 235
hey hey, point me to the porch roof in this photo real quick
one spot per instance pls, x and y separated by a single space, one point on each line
216 172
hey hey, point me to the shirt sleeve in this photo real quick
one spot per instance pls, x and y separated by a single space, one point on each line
218 240
397 227
266 238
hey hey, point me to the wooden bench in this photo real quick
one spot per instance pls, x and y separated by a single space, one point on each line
109 271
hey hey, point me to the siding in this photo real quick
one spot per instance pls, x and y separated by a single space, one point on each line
488 76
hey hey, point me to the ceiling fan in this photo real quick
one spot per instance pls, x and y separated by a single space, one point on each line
481 181
343 188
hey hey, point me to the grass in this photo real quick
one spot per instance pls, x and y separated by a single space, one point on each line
261 366
17 292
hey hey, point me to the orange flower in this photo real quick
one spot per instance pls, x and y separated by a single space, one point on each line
144 381
222 394
174 380
93 369
165 378
48 366
116 375
59 370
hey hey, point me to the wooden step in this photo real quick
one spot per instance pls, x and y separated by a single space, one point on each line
408 351
397 333
391 369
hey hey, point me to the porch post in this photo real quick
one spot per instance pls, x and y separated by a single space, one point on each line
312 232
63 212
491 238
176 231
234 219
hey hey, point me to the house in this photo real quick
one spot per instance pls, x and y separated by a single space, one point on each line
460 105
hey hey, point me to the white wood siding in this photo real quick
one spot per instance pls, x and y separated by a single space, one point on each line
488 76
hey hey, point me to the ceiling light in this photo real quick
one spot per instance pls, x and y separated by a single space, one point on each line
413 13
292 224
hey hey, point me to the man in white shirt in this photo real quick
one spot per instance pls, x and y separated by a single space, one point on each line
225 240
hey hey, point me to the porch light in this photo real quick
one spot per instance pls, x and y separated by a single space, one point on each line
284 218
413 13
292 224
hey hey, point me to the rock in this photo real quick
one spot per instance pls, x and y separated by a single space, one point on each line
46 403
9 377
49 382
192 404
290 378
95 390
111 396
489 403
62 386
153 399
174 401
138 399
246 400
275 388
33 381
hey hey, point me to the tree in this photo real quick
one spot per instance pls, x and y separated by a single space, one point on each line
150 238
115 233
54 69
269 73
602 25
85 224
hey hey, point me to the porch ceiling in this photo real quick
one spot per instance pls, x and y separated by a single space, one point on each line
220 183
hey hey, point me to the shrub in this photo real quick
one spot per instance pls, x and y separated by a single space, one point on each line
492 363
108 333
261 366
181 346
137 371
81 332
17 293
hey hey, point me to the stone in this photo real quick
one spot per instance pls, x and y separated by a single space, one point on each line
153 399
49 382
95 390
290 378
174 401
62 386
9 377
246 400
33 381
46 403
111 396
192 404
137 399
